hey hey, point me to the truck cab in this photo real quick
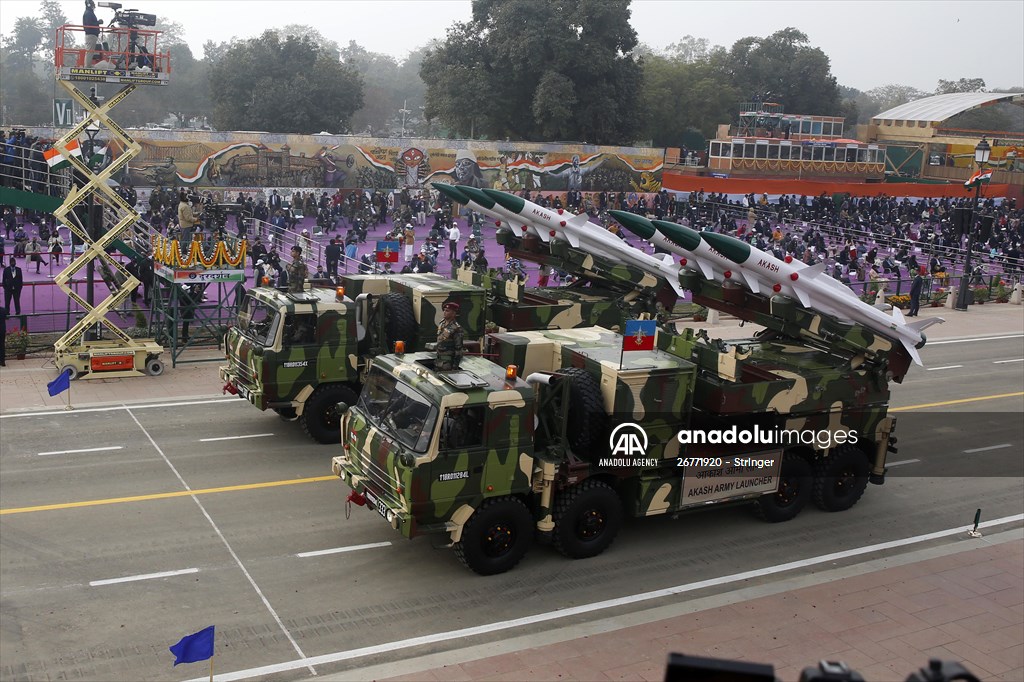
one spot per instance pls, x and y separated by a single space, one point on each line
301 353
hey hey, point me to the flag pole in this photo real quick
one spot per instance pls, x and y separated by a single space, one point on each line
211 668
68 406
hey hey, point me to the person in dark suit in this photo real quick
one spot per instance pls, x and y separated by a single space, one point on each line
3 336
13 281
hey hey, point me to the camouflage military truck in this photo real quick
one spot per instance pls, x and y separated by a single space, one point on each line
495 461
301 353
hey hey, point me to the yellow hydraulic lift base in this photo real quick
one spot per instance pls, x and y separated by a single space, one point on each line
121 356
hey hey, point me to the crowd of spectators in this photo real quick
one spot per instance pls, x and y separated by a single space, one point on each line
858 236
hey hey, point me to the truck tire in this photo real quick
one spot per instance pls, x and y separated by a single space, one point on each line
840 479
74 373
587 421
587 519
496 536
793 493
319 419
399 321
287 414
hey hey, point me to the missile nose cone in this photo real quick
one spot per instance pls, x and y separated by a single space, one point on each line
731 248
451 192
636 224
476 195
505 200
683 236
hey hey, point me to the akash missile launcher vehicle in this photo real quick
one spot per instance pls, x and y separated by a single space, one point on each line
300 354
555 436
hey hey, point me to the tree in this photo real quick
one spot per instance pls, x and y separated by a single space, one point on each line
681 96
785 68
282 84
561 70
962 85
388 86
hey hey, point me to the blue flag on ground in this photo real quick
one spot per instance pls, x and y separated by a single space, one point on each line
194 648
60 384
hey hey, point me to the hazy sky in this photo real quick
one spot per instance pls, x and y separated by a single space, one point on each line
870 42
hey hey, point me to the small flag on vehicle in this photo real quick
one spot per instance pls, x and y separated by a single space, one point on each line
387 252
639 335
56 161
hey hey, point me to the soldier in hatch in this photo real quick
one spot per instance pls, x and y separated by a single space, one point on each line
449 339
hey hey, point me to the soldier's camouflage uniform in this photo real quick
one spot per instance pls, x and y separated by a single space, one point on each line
449 345
297 272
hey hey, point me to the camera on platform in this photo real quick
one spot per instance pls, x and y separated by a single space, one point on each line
130 18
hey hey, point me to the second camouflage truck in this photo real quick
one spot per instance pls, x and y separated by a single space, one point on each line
555 436
299 354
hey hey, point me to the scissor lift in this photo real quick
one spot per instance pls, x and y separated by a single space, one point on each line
134 52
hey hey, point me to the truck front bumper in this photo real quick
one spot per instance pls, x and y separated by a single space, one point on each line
375 498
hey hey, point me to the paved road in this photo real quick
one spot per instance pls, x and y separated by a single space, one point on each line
235 556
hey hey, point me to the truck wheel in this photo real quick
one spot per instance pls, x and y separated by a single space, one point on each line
797 479
587 421
840 479
399 321
496 536
287 414
74 371
587 519
319 419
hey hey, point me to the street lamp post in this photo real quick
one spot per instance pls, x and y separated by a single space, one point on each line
981 154
404 111
91 131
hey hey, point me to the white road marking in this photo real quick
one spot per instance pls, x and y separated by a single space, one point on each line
936 369
595 606
902 462
227 545
73 452
251 435
969 340
145 576
1003 362
230 400
339 550
990 447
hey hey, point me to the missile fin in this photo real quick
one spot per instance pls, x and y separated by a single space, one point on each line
913 352
570 237
920 325
674 281
706 269
751 281
897 315
805 300
812 271
667 259
578 221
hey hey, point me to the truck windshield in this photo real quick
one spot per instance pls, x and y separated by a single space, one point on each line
398 410
258 320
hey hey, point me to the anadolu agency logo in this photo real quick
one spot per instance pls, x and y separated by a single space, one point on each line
627 446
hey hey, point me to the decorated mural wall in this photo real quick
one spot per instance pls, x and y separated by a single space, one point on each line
236 159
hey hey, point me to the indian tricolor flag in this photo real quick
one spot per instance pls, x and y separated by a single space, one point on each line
56 161
979 178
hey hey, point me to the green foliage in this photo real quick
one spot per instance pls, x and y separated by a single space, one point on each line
282 84
785 67
538 71
961 85
681 96
389 87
